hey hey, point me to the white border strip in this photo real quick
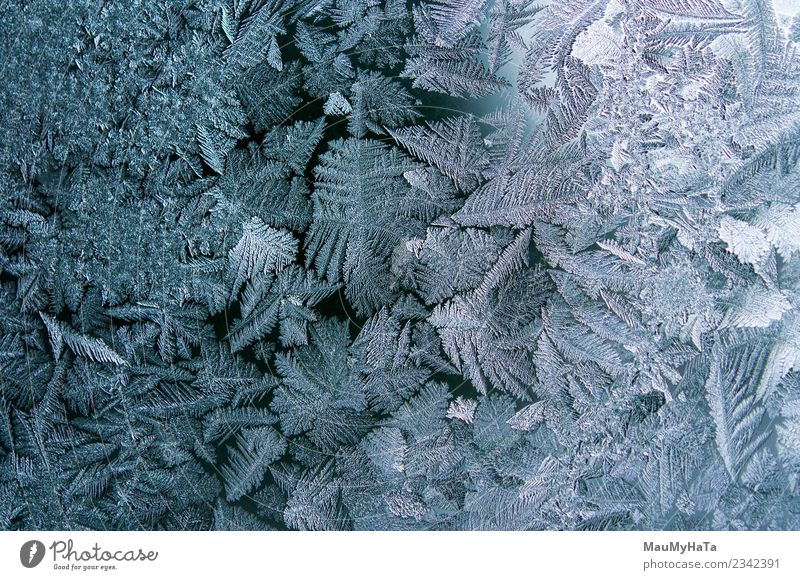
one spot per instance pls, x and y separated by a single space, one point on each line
412 556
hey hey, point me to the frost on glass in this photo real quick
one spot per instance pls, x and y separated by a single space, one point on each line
376 264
